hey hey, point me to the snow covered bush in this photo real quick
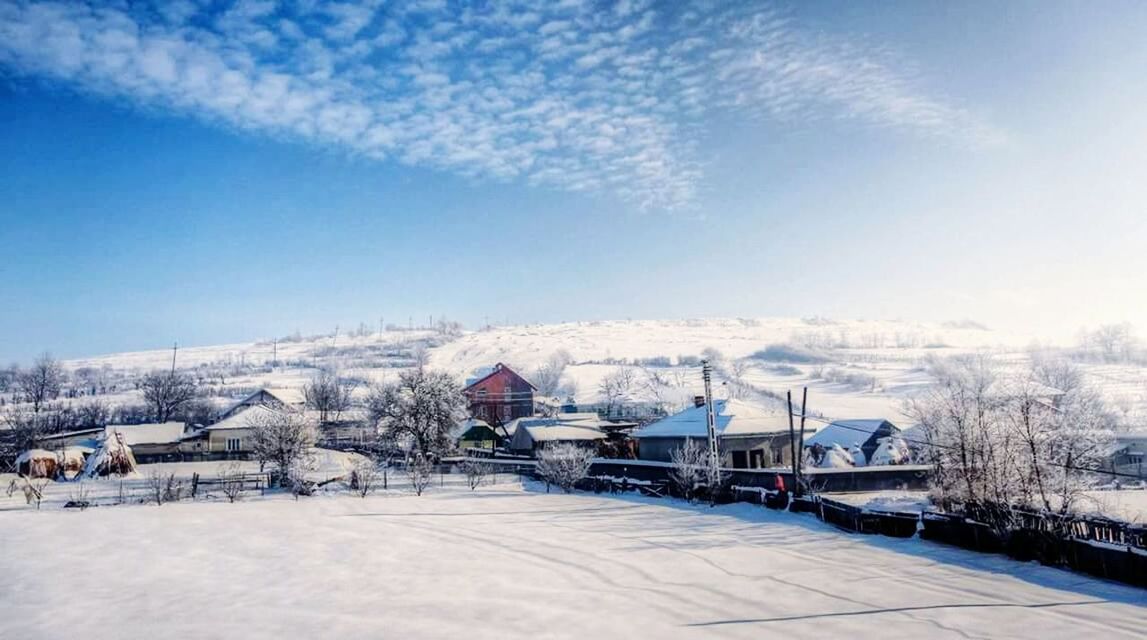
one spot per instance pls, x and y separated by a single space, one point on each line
564 465
689 468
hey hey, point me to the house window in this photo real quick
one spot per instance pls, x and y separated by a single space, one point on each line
1134 459
481 393
506 412
778 456
234 444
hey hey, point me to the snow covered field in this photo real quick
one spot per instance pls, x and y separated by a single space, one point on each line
508 563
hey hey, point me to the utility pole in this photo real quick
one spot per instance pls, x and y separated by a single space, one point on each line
711 424
800 446
174 349
274 353
792 436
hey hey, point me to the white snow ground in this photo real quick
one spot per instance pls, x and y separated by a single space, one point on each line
506 563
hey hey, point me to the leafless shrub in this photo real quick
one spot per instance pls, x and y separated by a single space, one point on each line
476 472
564 465
364 477
231 480
79 496
420 471
163 488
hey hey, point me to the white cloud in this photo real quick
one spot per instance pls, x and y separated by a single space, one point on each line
565 97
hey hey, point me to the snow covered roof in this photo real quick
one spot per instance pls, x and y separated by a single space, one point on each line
286 396
243 419
734 418
846 433
562 432
154 433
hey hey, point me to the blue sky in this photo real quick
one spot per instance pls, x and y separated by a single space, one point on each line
242 170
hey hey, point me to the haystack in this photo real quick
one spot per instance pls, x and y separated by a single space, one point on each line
113 457
37 463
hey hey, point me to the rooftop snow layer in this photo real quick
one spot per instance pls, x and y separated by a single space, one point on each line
734 418
154 433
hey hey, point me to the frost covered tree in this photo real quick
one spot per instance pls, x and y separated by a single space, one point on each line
564 464
1009 438
615 387
328 394
420 472
282 439
166 392
548 377
476 472
690 468
41 383
422 406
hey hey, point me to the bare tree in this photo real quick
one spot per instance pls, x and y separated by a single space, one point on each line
422 406
42 382
231 480
476 472
328 394
163 487
548 377
690 468
1115 342
165 392
281 439
364 477
615 388
1002 439
420 471
564 464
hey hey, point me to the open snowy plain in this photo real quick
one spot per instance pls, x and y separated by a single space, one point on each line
504 562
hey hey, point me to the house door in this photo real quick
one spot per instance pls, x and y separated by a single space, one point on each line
740 460
756 459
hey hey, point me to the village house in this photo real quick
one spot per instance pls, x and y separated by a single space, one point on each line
1129 455
500 396
477 434
749 436
281 399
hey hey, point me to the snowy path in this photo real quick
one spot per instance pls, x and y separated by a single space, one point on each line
503 563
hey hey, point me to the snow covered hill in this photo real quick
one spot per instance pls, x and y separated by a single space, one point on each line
853 368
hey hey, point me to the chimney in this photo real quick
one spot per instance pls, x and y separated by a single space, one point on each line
698 401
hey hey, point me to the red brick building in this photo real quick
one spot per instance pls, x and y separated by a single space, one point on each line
500 396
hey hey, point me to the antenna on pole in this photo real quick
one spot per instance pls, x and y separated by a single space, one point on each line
711 423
